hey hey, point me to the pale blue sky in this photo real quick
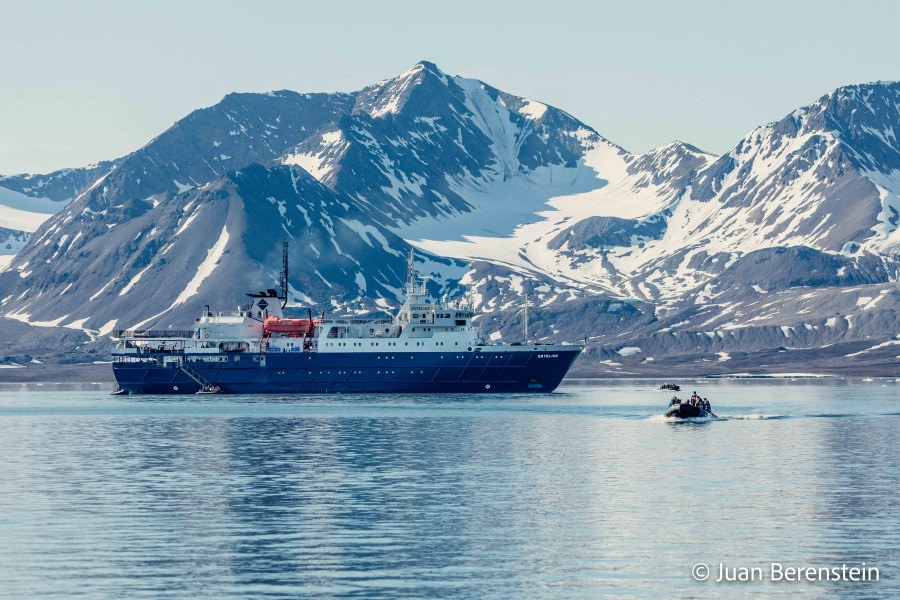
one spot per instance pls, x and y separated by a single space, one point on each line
86 81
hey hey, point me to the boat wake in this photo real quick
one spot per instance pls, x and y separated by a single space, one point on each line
758 417
666 419
761 417
765 417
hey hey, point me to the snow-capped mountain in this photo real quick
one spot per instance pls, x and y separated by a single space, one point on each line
26 201
671 257
58 186
405 141
219 237
805 181
426 146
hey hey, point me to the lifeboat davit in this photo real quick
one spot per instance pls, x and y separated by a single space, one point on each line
296 327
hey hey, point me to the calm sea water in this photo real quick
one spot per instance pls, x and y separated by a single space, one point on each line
579 493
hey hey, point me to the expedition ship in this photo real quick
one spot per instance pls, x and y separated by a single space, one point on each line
428 347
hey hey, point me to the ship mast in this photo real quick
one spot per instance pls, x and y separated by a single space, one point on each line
526 317
411 273
284 274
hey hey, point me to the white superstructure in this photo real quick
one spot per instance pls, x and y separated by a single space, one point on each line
422 324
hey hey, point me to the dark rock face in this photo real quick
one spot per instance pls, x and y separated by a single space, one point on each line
864 117
21 343
784 247
608 232
773 269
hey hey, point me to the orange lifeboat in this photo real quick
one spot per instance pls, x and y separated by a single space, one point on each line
292 327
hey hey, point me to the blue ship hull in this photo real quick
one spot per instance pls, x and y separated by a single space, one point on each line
491 369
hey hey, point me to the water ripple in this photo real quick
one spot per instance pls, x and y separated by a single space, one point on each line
574 494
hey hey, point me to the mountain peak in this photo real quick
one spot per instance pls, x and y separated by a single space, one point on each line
679 147
861 116
676 162
862 90
391 95
879 97
429 66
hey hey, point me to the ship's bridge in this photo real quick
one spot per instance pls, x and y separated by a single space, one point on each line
423 317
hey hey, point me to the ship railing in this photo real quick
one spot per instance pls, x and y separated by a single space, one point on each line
153 333
148 350
357 321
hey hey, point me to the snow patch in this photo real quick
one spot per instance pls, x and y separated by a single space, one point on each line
107 328
213 256
533 110
321 163
134 280
187 222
